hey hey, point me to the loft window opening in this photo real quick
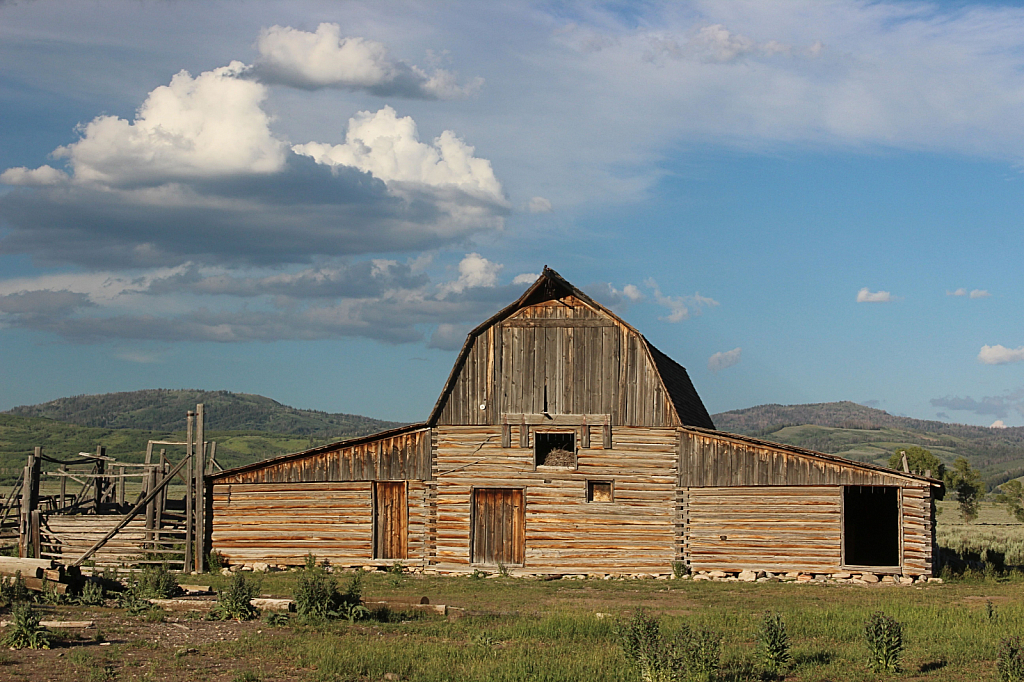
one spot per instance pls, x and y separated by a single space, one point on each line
599 491
555 449
871 525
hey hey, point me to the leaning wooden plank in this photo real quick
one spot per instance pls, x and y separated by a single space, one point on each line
132 513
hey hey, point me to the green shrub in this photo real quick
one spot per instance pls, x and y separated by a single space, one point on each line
679 569
215 561
157 582
1011 660
317 597
132 600
773 646
91 594
643 645
25 632
234 601
697 653
51 596
13 590
884 637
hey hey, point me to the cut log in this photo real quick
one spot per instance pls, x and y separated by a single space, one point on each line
62 624
196 589
27 572
197 604
268 604
36 584
9 564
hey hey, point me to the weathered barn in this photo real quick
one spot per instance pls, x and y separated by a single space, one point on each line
564 442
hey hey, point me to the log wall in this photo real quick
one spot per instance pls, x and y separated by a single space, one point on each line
280 523
636 532
560 354
789 528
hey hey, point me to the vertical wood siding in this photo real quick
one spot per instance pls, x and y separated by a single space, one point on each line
394 457
565 533
279 523
577 359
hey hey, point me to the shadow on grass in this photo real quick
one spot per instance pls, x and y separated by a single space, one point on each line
931 666
810 658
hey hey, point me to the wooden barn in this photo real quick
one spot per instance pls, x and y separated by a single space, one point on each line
564 442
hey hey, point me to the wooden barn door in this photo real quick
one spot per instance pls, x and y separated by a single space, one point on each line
499 526
391 526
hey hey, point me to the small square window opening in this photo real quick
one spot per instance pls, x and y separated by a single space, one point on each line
555 449
599 491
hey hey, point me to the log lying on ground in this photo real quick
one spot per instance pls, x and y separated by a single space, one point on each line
61 624
270 604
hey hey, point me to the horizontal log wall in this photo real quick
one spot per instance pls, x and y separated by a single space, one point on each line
788 528
562 353
280 523
67 537
564 533
718 460
400 457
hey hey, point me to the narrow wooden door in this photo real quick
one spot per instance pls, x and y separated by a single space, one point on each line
391 527
499 526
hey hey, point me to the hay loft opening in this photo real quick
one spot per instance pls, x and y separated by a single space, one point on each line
599 491
555 449
871 525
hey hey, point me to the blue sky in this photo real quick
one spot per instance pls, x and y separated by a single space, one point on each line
314 201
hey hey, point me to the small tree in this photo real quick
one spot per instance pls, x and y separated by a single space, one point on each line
919 461
965 481
1011 494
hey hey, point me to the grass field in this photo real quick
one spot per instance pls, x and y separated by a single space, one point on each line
517 629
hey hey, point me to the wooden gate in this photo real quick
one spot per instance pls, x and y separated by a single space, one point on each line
499 526
391 527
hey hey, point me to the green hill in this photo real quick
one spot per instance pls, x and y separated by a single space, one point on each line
866 434
247 428
164 410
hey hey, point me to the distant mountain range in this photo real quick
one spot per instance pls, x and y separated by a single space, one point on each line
866 434
249 427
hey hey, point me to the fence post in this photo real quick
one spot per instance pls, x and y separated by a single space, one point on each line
200 469
63 483
101 469
150 484
37 549
28 503
189 443
121 483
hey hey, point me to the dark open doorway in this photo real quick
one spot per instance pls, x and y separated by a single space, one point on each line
871 526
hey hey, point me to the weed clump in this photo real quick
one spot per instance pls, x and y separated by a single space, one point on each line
91 594
1010 660
884 636
694 654
699 654
13 590
318 599
235 601
157 582
25 632
773 646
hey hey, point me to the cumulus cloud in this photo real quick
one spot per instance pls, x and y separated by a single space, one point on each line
680 307
866 296
525 278
1000 355
474 271
388 147
325 59
539 205
198 176
605 293
723 359
994 406
997 424
979 293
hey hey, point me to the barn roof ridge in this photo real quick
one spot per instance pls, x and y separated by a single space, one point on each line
804 452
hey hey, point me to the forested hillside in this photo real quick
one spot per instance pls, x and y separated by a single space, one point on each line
866 434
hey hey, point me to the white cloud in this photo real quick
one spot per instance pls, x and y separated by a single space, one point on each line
997 424
325 59
959 292
1000 355
42 176
979 293
866 296
525 278
539 205
388 148
680 307
974 293
448 336
474 271
208 126
723 359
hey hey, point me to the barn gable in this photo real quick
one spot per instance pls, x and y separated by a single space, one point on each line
555 351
